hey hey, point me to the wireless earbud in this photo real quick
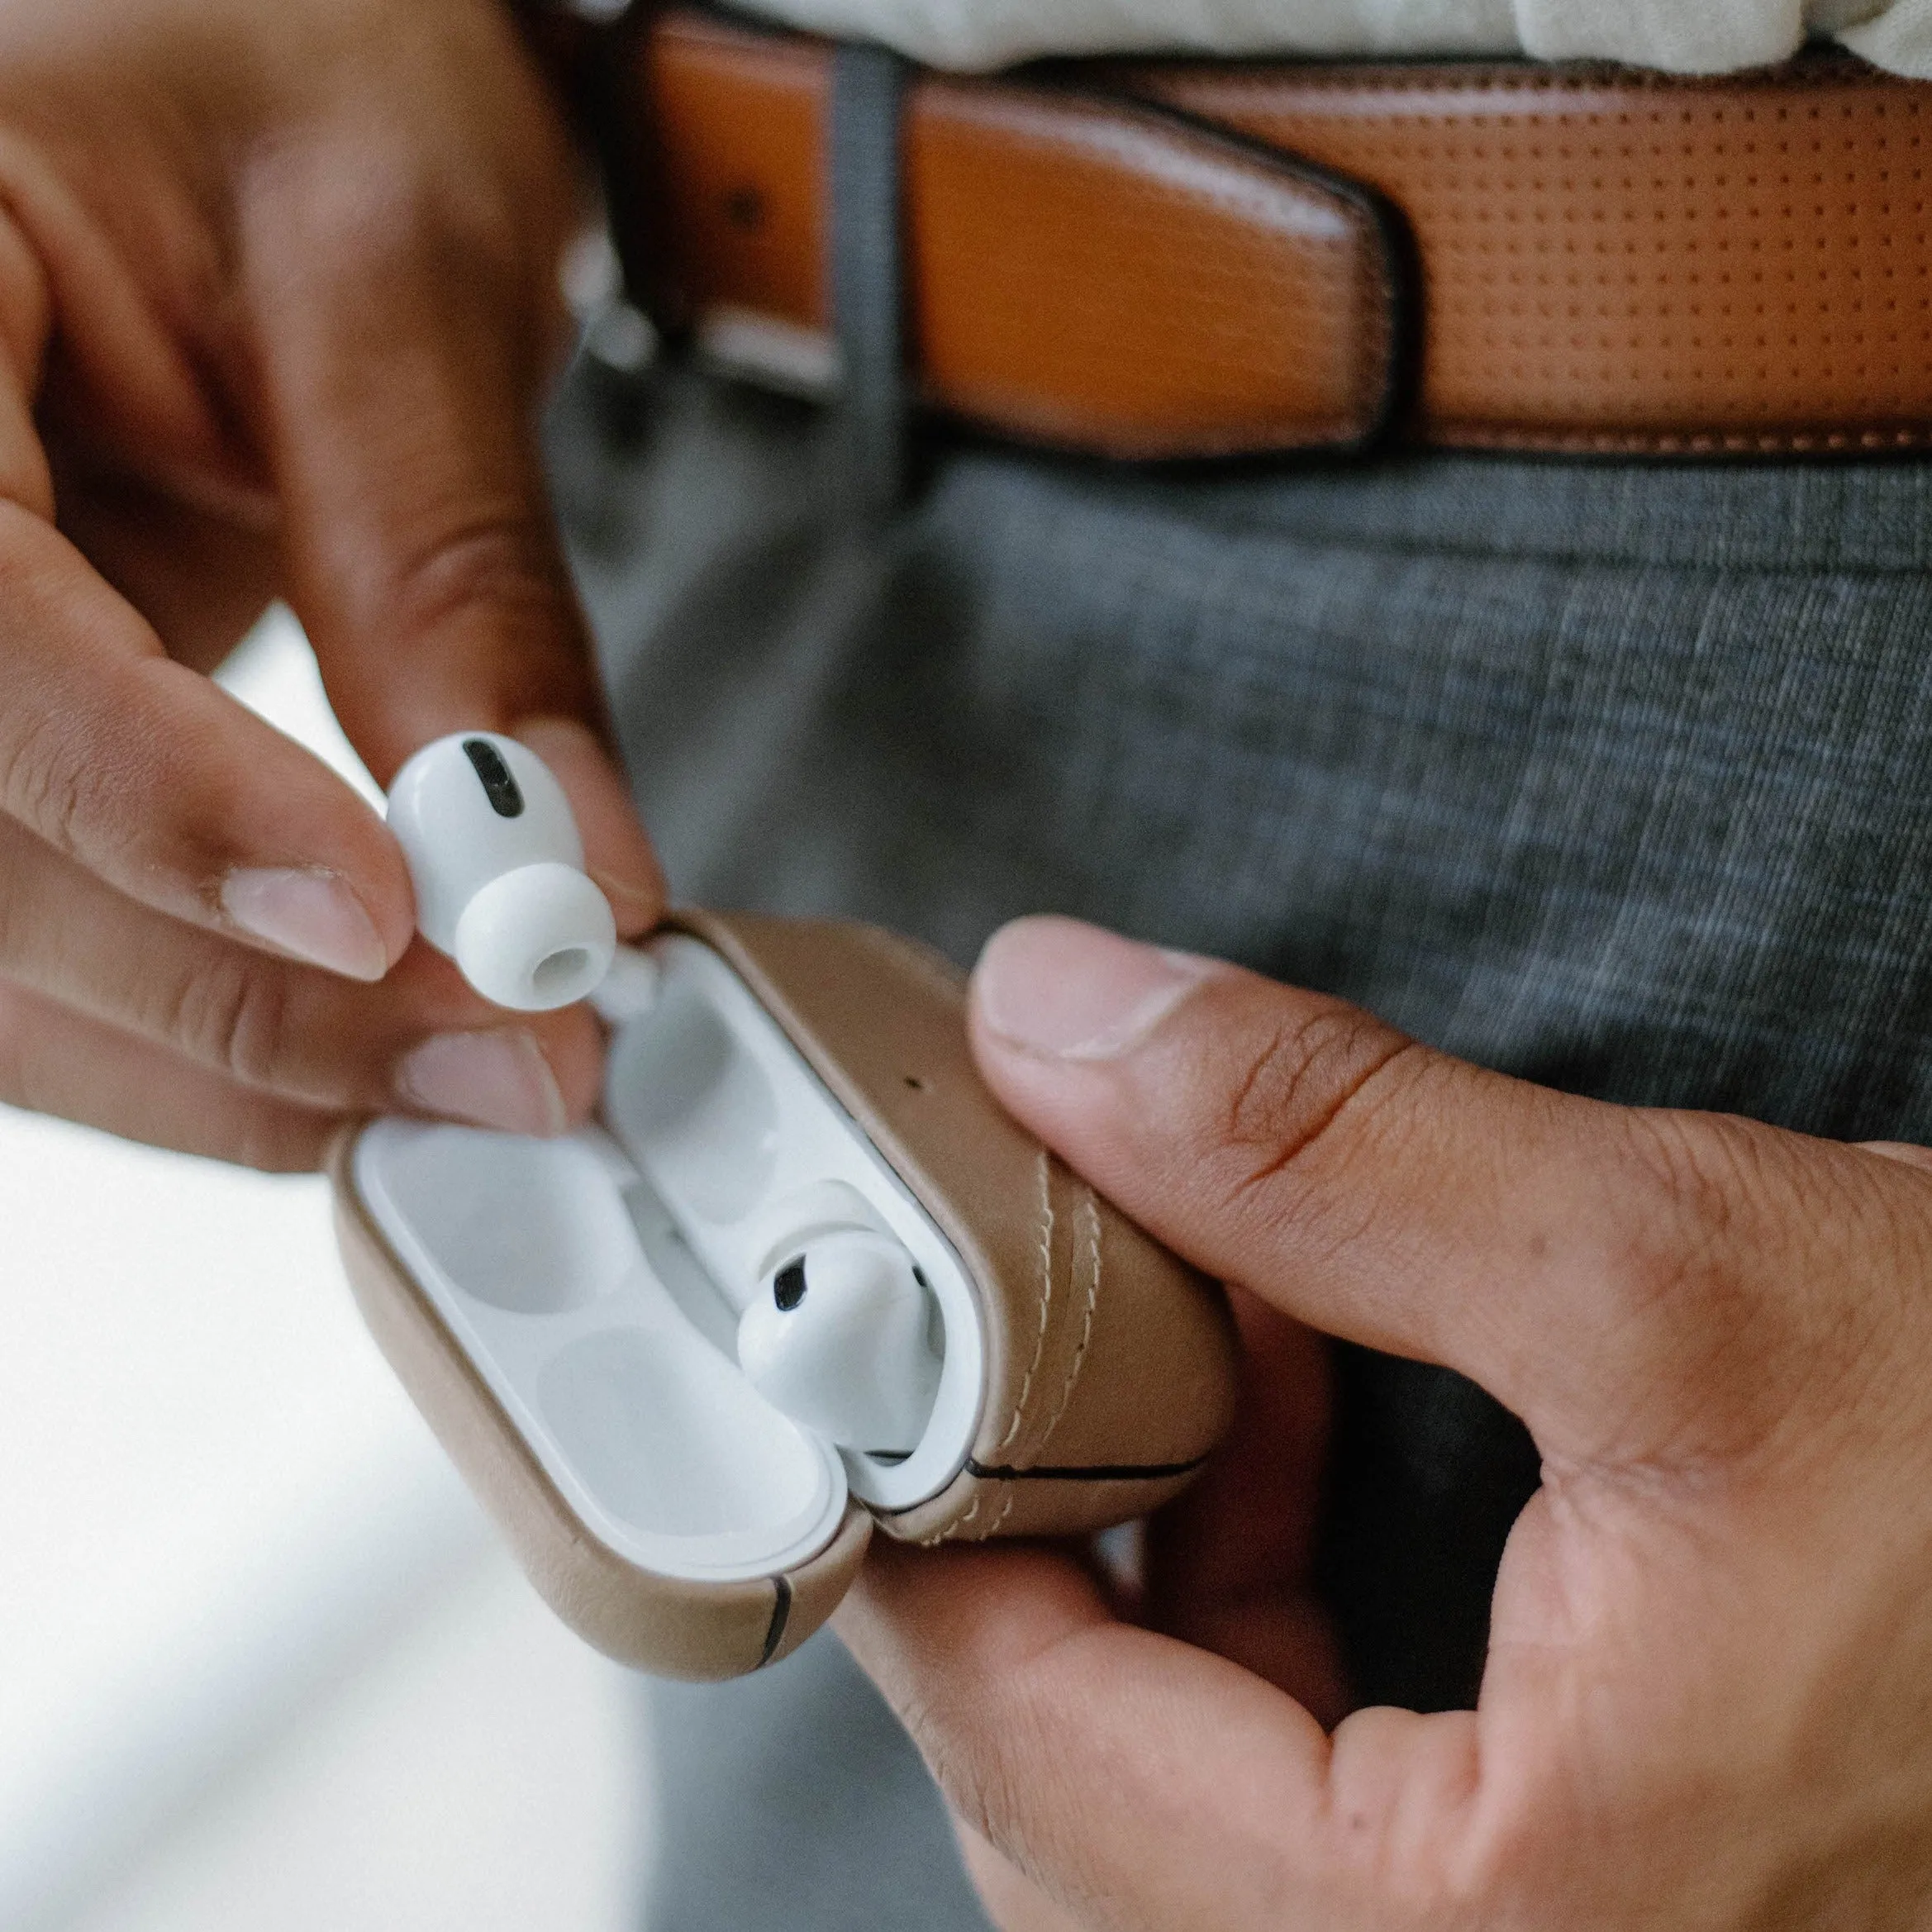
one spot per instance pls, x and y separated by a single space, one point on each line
839 1337
497 866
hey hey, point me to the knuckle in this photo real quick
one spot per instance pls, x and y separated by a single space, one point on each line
367 221
1671 1255
978 1791
977 1764
250 1131
995 1798
43 779
1702 1303
389 204
500 558
234 1015
1310 1075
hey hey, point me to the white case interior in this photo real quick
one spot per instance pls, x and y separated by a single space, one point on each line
595 1281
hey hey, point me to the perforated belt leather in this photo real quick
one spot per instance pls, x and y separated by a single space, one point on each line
1163 259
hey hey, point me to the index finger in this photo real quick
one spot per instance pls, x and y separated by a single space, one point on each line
157 782
404 343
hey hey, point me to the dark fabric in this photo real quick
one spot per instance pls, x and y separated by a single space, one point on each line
1616 777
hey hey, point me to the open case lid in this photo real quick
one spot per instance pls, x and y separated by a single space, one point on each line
564 1312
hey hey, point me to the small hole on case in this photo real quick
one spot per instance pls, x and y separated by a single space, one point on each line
915 1084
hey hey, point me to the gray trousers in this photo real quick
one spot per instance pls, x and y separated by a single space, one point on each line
1617 776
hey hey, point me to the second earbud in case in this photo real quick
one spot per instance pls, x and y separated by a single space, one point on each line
843 1333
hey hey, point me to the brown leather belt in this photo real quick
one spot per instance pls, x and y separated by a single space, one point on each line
1174 258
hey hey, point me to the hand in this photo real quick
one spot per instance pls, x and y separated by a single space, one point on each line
1705 1702
278 303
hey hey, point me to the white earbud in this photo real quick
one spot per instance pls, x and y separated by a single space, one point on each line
497 866
839 1337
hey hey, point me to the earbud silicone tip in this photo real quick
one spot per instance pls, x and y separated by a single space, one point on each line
537 937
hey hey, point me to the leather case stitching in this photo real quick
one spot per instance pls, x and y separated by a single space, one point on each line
1089 1225
1046 1298
959 1527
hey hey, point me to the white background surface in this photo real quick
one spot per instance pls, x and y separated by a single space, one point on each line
261 1662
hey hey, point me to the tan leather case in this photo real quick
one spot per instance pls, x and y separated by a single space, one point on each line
1109 1363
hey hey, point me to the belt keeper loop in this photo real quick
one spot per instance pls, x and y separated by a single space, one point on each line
867 272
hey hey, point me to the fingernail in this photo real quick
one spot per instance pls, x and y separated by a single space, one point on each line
498 1079
1060 987
307 911
1905 1152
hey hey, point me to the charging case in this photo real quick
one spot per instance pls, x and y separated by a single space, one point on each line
564 1311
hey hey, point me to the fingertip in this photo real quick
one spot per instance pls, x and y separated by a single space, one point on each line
1054 988
522 1075
316 875
617 851
978 1610
379 875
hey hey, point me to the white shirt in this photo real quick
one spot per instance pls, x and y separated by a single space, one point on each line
1683 36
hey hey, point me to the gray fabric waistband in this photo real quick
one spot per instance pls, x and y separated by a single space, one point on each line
1860 517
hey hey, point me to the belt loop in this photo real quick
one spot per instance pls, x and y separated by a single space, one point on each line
867 277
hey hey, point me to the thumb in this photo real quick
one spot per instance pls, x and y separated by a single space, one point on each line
406 328
1634 1283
